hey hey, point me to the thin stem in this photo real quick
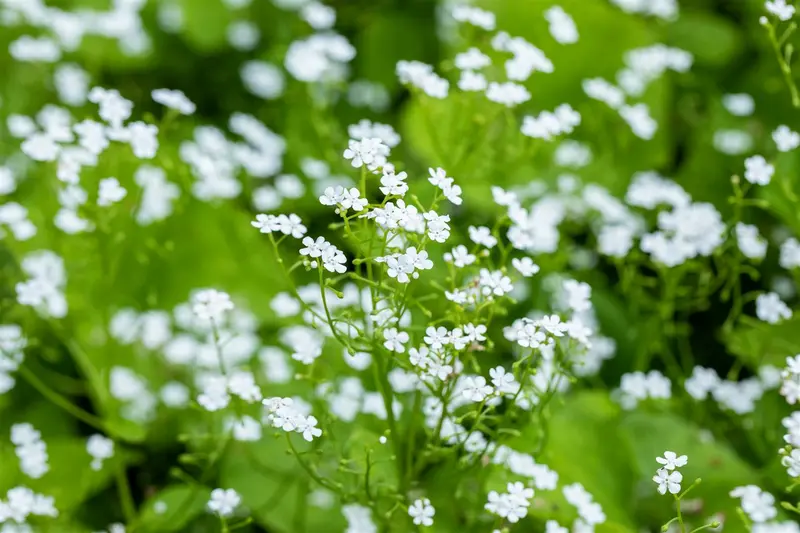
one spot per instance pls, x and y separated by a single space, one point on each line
310 471
786 69
125 496
680 516
60 401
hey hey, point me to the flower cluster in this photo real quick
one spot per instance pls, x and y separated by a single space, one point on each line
668 478
30 449
12 346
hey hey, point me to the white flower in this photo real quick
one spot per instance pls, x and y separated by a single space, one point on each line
602 90
475 16
668 481
503 381
792 463
263 79
174 99
671 460
211 304
344 199
562 27
422 512
314 248
438 177
638 118
100 448
785 139
482 235
308 427
577 295
334 260
366 129
751 244
757 170
291 224
757 504
780 9
770 308
472 59
143 139
701 382
509 93
393 184
740 104
395 340
370 152
472 81
436 337
460 256
110 192
553 325
476 389
525 266
224 501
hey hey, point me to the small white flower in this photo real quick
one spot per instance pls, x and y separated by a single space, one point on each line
668 481
110 192
525 266
780 9
476 389
483 236
785 139
314 248
460 256
422 512
757 170
211 304
436 337
99 448
771 309
224 501
174 99
370 152
671 460
503 381
395 340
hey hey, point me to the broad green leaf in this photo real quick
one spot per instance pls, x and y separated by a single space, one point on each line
583 446
648 435
173 507
275 488
711 39
70 479
206 23
387 39
758 343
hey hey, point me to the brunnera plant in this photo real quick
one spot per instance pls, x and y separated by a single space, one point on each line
419 364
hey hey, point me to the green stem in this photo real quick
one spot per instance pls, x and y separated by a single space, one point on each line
310 471
786 69
680 516
60 401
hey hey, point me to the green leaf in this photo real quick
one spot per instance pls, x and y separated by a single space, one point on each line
206 23
758 343
648 435
275 488
584 447
385 41
70 480
183 504
711 39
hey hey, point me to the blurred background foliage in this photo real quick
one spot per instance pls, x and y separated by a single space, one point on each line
611 452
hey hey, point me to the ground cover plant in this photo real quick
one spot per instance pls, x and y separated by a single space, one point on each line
389 266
